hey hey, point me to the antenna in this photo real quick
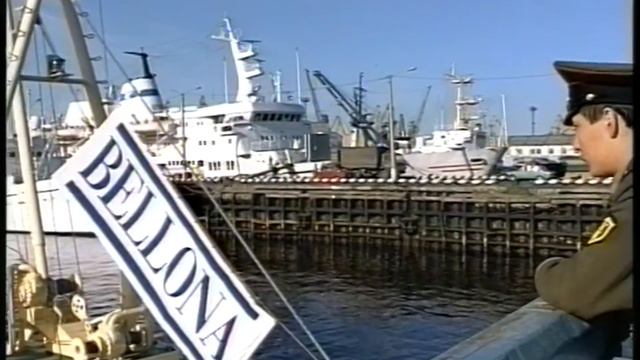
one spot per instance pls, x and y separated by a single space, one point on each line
504 121
226 85
533 110
298 76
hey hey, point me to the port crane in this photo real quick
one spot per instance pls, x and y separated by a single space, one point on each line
366 160
358 119
423 105
314 98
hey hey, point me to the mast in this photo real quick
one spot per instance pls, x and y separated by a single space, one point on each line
277 85
393 172
246 63
504 121
24 151
226 85
18 48
298 76
462 120
84 62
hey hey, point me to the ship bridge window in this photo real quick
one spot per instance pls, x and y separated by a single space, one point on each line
200 163
288 117
217 119
226 128
279 117
257 117
551 151
272 117
149 92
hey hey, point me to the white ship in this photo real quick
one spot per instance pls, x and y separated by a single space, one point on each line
247 137
53 144
461 150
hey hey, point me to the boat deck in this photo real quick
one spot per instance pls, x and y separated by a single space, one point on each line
39 353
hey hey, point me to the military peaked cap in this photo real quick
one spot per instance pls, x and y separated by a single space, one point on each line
595 83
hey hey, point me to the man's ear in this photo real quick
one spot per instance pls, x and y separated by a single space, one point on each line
611 121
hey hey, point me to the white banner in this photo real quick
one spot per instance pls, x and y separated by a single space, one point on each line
154 238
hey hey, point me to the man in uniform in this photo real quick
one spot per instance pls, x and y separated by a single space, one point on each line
597 280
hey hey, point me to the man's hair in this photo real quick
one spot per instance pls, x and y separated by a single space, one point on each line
594 112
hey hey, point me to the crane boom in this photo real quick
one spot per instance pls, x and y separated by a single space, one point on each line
422 107
314 98
351 109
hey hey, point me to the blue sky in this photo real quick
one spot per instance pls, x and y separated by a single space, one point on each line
508 45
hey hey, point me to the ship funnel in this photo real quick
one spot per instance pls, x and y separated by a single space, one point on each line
146 70
143 90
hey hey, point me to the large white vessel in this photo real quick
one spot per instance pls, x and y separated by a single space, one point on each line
247 137
53 144
460 150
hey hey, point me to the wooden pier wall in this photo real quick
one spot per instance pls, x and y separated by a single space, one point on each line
503 217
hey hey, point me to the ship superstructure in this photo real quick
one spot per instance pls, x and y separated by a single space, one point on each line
462 148
246 137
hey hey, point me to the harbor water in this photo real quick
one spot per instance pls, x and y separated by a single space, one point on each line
360 301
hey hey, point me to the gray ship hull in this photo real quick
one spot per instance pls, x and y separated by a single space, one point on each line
473 162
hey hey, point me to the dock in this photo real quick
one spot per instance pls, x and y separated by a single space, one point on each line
477 215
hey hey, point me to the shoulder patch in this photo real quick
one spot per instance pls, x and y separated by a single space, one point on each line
602 231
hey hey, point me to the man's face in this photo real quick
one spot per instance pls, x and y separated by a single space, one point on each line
591 141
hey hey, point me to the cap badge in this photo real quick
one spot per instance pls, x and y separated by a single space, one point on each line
590 97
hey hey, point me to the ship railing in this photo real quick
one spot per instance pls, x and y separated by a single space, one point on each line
538 331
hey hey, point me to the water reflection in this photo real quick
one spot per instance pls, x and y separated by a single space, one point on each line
361 301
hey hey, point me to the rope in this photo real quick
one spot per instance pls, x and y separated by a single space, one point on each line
37 55
55 283
19 245
106 63
75 242
286 329
26 246
44 48
20 257
262 269
57 239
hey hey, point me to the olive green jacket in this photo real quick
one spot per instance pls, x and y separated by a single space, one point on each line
597 279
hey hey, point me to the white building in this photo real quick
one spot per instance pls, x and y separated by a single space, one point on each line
556 147
546 146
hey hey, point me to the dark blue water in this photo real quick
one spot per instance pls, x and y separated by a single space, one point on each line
361 302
